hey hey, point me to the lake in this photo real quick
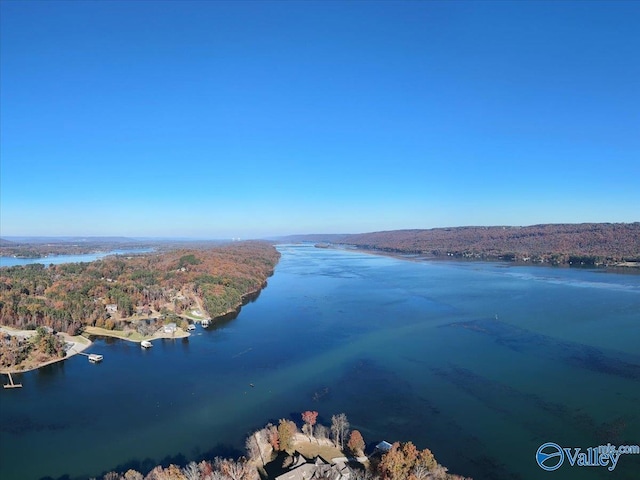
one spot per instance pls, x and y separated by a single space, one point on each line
480 362
59 259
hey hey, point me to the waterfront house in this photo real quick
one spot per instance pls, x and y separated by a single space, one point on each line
383 447
170 328
316 469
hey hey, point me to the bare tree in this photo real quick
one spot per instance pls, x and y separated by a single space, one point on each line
440 473
256 444
133 475
241 470
322 432
421 472
363 474
191 471
339 429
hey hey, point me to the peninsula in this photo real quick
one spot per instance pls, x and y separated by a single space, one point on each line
313 451
135 298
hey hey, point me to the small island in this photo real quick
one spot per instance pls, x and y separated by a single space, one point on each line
47 313
313 451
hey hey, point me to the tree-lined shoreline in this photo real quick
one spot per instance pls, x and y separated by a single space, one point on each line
130 297
597 244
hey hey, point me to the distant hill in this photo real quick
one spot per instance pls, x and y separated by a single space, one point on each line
40 247
585 243
64 240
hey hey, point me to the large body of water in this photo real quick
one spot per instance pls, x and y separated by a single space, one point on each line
59 259
480 362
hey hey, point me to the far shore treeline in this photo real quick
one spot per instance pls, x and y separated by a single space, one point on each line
607 244
121 291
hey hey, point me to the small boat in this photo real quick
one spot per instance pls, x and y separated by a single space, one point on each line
205 323
95 358
146 344
191 327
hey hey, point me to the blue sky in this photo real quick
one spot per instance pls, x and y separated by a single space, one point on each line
247 119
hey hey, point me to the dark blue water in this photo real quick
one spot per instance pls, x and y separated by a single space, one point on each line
480 362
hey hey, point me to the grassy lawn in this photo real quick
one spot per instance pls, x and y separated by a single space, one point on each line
128 335
311 449
80 339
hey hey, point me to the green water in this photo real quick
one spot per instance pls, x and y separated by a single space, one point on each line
480 362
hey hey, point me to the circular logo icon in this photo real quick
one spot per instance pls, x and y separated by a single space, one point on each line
549 456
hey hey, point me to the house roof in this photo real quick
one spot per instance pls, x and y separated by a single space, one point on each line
317 469
384 446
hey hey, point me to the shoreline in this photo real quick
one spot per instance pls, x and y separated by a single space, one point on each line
119 334
77 344
625 267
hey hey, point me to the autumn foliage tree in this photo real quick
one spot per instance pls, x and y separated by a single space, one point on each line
286 432
356 443
309 418
272 436
404 460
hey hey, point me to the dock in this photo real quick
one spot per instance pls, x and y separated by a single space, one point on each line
11 384
93 357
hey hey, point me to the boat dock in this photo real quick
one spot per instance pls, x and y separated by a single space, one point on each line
93 357
11 384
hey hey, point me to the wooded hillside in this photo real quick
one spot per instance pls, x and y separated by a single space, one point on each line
118 289
586 243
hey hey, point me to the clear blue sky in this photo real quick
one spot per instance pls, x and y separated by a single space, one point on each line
246 119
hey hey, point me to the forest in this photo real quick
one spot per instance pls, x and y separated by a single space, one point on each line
558 244
123 291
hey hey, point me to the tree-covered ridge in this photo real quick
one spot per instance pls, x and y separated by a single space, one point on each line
588 243
116 291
